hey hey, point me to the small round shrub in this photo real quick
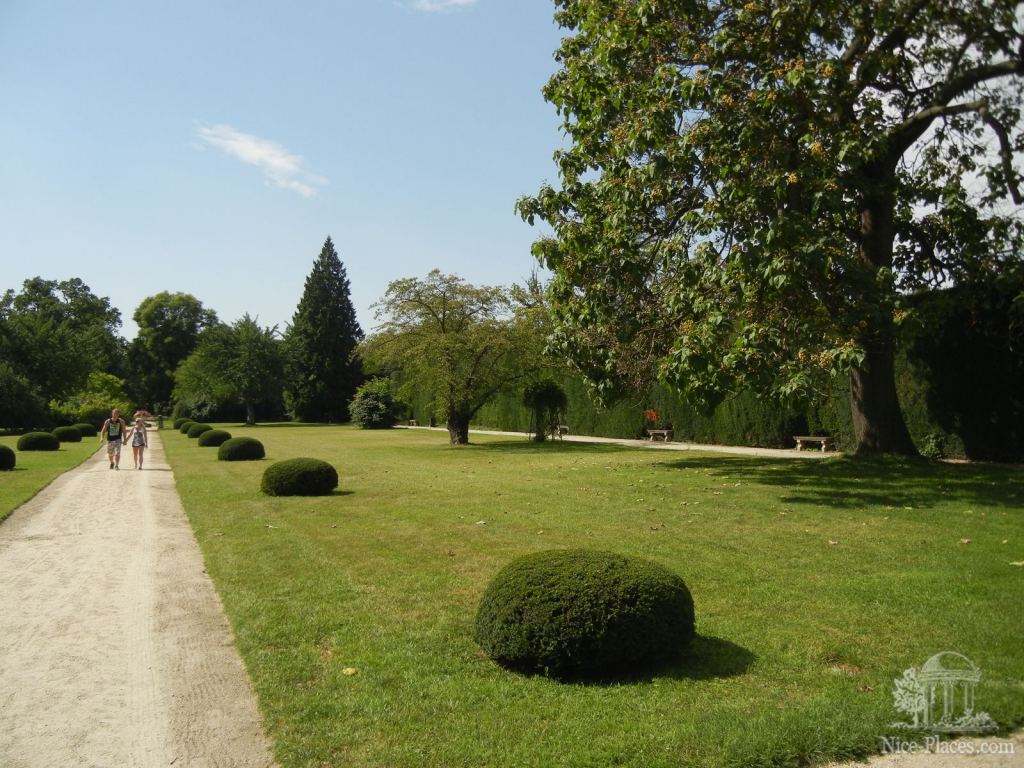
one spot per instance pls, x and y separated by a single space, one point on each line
186 426
241 449
584 613
299 477
38 441
373 406
68 434
87 429
180 420
213 438
197 429
7 458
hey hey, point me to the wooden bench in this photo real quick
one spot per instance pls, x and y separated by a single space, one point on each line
664 434
413 423
802 440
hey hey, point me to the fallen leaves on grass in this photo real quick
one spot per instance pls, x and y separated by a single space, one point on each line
965 541
349 671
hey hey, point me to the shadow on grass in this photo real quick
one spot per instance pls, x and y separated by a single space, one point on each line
851 482
707 658
522 447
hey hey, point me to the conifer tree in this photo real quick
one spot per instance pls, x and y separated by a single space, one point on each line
323 372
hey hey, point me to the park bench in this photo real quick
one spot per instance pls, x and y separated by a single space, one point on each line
664 434
802 440
413 423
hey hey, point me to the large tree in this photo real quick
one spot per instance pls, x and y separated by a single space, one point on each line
323 372
238 364
463 343
169 328
55 333
752 189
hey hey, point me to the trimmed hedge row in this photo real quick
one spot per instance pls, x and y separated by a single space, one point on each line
197 429
299 477
186 426
7 458
87 429
213 438
38 441
68 434
241 449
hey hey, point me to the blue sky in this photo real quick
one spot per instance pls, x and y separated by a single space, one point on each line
211 147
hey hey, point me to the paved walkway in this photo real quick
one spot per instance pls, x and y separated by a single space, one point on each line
114 648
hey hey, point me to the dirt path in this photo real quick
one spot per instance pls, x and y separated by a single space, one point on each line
114 648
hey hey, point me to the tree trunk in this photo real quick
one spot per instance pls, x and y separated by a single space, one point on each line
877 419
458 428
250 414
878 423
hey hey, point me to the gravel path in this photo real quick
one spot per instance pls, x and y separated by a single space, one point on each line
114 648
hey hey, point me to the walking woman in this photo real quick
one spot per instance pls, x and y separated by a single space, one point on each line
140 441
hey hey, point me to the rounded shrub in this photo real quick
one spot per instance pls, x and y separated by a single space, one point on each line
241 449
213 438
299 477
186 426
7 458
38 441
584 613
180 420
68 434
197 429
87 429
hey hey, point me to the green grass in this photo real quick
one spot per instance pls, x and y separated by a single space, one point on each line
37 469
800 637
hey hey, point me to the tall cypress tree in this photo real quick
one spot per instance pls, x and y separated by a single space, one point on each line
323 373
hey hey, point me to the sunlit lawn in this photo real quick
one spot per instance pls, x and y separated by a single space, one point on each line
37 469
816 584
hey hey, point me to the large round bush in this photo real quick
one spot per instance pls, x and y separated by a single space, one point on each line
68 434
579 612
38 441
87 429
213 438
241 449
186 426
197 429
7 458
180 420
299 477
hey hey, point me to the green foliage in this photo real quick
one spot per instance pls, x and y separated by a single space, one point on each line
546 401
169 328
186 426
52 336
180 421
93 403
8 459
87 429
299 477
583 612
21 407
197 429
322 369
213 438
38 441
374 407
237 364
67 434
461 343
750 192
241 449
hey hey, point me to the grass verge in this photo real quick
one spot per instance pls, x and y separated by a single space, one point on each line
815 583
37 469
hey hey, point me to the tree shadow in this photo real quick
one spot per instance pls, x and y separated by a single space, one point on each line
851 482
522 447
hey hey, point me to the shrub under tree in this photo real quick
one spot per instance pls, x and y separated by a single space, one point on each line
374 407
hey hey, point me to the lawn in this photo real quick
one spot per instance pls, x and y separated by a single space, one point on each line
816 584
37 469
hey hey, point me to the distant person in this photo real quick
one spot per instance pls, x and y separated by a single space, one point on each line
140 441
114 430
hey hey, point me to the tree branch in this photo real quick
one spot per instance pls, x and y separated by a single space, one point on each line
1005 153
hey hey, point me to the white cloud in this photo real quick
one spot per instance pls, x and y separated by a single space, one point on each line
281 168
440 6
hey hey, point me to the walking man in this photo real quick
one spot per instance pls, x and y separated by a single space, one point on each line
114 430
